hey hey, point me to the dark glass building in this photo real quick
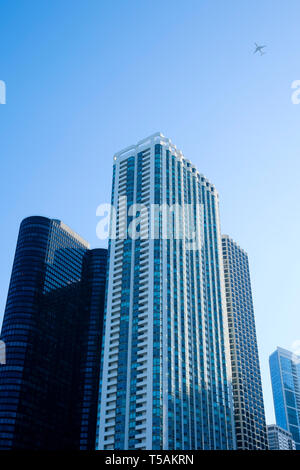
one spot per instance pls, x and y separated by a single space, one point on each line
52 332
280 439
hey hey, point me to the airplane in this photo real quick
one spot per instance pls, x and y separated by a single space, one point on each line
259 49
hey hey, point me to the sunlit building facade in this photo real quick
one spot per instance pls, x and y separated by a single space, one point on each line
285 377
280 439
165 381
249 414
52 330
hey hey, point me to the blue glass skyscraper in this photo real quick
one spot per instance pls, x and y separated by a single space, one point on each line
164 381
93 281
285 377
249 414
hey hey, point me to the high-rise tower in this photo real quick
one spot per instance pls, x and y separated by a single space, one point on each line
249 414
164 381
52 333
285 377
280 439
90 326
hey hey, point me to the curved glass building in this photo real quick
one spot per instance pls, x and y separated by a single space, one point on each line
249 412
52 333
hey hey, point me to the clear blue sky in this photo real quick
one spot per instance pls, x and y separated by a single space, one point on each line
87 78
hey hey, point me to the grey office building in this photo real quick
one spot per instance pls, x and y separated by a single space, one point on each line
280 439
52 332
249 414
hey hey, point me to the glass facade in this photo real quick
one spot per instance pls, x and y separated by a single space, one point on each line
91 330
285 377
280 439
249 414
51 332
164 380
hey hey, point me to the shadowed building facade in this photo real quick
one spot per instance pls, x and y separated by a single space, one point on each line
52 331
249 414
280 439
